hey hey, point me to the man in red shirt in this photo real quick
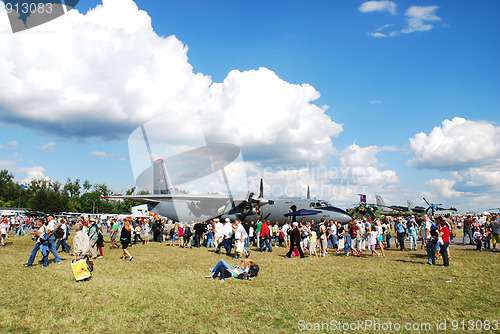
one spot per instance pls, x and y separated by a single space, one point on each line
265 234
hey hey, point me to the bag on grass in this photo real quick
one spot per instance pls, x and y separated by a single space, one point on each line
90 265
253 271
80 269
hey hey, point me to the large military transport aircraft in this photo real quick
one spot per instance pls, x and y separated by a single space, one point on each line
182 207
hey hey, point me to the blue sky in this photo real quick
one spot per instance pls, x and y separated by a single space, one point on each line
384 71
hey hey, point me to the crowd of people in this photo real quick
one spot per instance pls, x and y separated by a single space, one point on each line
236 238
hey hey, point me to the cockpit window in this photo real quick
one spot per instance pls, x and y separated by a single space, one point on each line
312 205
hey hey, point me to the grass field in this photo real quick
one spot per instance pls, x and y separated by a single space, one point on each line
163 290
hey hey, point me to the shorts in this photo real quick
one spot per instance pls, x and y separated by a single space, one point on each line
113 236
323 243
495 238
372 248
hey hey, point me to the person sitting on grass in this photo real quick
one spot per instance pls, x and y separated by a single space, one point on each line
224 270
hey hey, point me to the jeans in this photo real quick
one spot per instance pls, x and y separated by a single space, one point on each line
467 231
52 248
388 240
413 241
210 241
332 242
21 229
265 243
228 245
347 243
444 254
45 252
221 269
247 242
65 246
431 251
401 240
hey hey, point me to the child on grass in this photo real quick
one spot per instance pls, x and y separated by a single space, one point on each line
312 243
372 239
477 238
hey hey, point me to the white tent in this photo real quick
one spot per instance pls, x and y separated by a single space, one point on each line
137 214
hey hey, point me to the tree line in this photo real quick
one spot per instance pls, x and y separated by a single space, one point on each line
54 197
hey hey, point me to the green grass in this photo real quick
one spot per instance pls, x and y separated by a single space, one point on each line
163 290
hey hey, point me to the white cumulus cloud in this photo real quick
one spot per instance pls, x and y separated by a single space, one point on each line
444 188
419 18
456 145
363 167
105 73
378 6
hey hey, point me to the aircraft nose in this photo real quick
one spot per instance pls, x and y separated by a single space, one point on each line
345 218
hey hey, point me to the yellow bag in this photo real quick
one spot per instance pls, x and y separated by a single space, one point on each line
80 270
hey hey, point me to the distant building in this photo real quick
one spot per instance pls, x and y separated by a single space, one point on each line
12 211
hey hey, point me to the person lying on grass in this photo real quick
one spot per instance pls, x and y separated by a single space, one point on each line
247 270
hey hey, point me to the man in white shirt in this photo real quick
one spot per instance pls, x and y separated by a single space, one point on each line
219 235
240 236
430 241
51 227
41 244
332 235
228 234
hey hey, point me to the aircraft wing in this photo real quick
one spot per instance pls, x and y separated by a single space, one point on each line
157 198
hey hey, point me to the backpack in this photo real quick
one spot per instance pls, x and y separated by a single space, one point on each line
253 271
59 232
434 230
187 233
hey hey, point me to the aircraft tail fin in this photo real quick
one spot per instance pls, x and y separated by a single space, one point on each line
380 202
161 181
410 206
